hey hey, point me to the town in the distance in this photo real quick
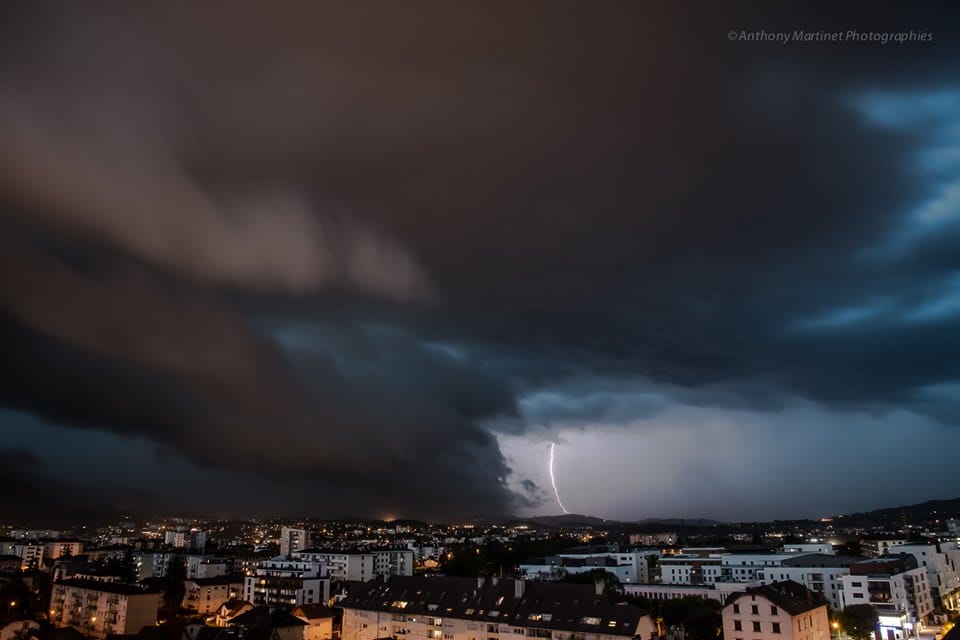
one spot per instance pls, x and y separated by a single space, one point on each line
891 574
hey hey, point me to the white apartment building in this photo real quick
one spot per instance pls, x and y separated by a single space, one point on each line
30 554
283 583
183 538
292 540
743 567
688 568
778 611
821 573
98 609
671 591
630 567
445 608
942 562
875 548
896 586
360 565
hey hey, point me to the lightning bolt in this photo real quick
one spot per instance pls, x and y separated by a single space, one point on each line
553 479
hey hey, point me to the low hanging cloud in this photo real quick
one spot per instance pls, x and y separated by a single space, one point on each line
318 247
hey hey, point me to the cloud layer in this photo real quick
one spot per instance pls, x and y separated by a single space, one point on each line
333 252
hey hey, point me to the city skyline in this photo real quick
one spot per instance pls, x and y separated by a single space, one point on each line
430 262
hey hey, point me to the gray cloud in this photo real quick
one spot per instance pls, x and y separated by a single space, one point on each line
335 248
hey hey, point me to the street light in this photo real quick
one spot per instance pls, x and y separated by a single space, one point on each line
836 627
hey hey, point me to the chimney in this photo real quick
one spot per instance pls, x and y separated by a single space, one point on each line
518 587
479 582
599 586
494 580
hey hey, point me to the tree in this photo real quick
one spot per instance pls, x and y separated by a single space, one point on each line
700 617
124 568
610 581
175 590
859 621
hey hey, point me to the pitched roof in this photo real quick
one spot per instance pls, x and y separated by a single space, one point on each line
262 617
792 597
545 605
315 611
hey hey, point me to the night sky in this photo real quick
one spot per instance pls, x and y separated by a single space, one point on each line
322 259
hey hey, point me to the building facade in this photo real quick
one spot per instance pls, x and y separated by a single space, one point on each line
98 609
445 608
286 583
778 611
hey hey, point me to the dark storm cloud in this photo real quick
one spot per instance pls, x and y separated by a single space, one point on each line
328 243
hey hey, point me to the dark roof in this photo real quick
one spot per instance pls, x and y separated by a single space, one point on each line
792 597
821 560
262 617
545 605
235 604
884 565
314 611
121 588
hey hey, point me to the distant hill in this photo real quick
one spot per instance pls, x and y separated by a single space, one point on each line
570 519
923 513
676 522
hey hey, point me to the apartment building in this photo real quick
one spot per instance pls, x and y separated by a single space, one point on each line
821 573
98 609
286 583
688 568
183 538
779 611
206 595
630 567
30 554
292 540
360 565
942 562
446 608
53 549
896 587
875 548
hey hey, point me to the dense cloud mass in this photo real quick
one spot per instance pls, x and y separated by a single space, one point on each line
344 257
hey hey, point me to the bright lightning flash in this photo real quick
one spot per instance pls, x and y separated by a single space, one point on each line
553 479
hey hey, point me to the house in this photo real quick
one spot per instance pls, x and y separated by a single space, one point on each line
779 611
321 621
230 610
260 623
